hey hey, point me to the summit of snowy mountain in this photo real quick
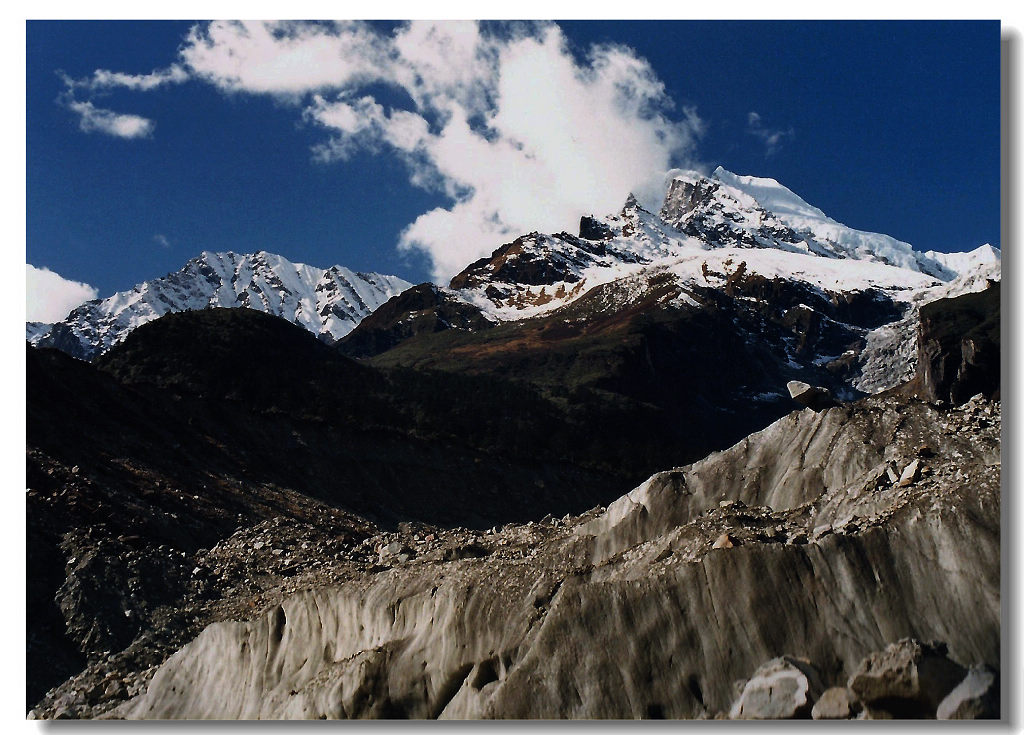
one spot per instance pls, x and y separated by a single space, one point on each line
328 302
719 217
824 234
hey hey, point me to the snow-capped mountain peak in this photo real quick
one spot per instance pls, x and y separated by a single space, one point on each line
328 302
826 236
770 194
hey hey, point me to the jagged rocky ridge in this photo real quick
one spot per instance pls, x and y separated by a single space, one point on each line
329 303
536 274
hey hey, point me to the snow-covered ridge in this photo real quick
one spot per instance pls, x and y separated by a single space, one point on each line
825 235
34 330
960 264
745 218
328 302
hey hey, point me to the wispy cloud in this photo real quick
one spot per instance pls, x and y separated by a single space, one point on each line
518 132
162 241
772 139
50 297
93 119
105 79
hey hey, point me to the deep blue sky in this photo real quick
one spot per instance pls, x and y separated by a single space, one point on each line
895 129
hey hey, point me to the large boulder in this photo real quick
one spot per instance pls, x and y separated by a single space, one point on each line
908 678
782 689
810 396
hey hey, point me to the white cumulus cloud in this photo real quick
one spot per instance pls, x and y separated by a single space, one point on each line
50 297
519 134
517 131
285 58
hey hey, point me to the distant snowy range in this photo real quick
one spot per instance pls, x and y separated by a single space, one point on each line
707 228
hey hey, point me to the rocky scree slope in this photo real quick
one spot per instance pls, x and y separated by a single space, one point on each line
809 539
329 303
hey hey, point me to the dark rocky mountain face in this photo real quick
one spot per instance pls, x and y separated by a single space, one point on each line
959 347
534 260
691 377
422 309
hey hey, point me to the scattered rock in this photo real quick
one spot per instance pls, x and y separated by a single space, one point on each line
781 689
911 473
821 531
891 473
837 703
465 551
907 679
725 541
874 713
974 698
115 690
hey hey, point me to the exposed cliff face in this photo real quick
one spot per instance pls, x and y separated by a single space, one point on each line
654 607
958 347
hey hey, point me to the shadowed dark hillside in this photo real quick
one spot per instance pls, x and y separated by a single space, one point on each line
202 422
691 377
